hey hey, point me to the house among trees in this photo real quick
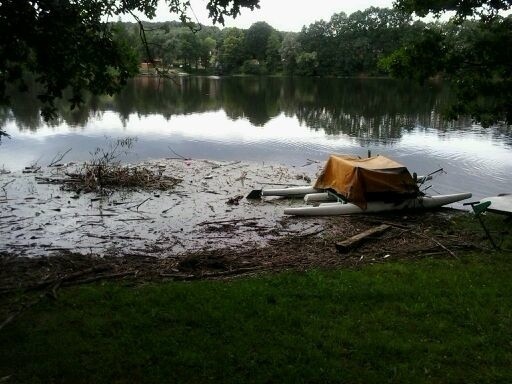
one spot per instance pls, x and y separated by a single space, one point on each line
148 67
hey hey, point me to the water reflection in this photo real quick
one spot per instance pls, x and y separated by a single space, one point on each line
277 120
370 110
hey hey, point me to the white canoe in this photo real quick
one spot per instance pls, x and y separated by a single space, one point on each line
425 202
290 191
317 197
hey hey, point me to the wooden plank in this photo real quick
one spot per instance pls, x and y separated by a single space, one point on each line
354 241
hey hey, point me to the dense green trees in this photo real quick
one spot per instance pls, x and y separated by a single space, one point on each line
231 50
472 50
290 47
256 39
352 45
343 46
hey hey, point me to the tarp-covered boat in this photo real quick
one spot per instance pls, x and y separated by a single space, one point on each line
360 180
363 185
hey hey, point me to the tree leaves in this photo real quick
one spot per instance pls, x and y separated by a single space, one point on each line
71 45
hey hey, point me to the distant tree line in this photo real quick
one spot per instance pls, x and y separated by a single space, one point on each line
345 45
368 109
470 50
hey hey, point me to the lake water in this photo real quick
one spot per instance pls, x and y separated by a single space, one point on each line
271 120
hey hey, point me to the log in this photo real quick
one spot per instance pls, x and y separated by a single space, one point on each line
354 241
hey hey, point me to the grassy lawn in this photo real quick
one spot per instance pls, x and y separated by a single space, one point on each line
427 321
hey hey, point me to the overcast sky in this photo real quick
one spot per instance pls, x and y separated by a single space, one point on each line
284 15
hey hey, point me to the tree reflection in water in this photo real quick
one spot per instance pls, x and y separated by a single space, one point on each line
370 110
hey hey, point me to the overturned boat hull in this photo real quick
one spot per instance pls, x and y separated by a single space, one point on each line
331 209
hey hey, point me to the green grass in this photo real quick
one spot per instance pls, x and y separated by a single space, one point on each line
430 321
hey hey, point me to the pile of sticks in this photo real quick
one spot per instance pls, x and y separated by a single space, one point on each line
94 178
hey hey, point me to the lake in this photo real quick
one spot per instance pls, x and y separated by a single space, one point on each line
271 120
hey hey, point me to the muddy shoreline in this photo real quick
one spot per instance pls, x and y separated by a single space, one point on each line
39 217
202 228
410 237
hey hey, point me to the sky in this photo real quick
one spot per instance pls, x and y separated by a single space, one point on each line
283 15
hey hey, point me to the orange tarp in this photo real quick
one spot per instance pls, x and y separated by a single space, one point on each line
361 180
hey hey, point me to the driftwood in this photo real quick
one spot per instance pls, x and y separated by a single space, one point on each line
58 158
180 157
6 184
354 241
168 209
100 215
308 234
135 219
137 206
437 242
230 221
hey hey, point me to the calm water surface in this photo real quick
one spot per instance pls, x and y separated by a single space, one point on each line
275 120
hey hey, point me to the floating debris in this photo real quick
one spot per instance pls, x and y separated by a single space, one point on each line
95 178
122 219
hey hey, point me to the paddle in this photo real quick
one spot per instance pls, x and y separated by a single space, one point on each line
254 194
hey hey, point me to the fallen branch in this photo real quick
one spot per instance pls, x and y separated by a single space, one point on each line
234 221
168 209
101 215
135 219
5 185
436 242
177 154
138 205
58 157
308 234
